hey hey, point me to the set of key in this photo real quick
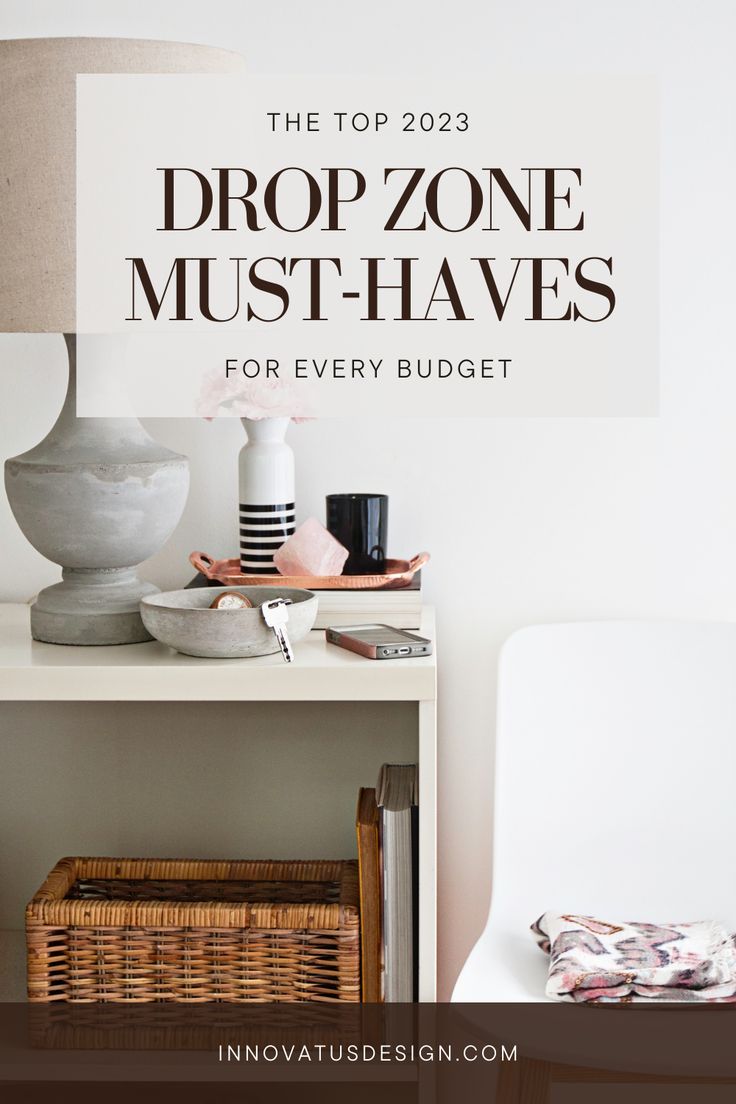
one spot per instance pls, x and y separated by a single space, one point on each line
276 615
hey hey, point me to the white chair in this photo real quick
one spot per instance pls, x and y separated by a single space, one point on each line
615 773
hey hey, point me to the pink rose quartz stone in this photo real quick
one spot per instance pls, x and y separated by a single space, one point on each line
311 550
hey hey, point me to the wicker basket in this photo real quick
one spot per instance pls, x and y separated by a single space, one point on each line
137 930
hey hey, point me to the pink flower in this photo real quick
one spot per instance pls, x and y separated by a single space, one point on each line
248 398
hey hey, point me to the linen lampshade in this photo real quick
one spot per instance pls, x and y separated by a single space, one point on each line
97 495
38 161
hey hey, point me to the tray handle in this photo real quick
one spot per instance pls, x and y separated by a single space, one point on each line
418 561
202 562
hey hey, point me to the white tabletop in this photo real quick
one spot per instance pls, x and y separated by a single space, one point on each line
30 671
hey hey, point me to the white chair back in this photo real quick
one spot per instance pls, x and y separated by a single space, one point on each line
616 773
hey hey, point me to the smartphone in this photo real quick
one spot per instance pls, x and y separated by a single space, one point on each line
379 641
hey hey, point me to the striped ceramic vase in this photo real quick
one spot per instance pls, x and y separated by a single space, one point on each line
266 494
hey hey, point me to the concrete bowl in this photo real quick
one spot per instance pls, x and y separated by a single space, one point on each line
183 620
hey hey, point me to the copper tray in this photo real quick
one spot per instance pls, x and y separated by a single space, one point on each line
399 573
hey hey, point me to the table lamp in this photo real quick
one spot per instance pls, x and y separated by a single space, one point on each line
97 495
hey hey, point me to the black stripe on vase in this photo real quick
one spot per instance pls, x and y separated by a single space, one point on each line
265 522
247 553
272 536
263 545
256 511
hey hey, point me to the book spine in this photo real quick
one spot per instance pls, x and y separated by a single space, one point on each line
327 618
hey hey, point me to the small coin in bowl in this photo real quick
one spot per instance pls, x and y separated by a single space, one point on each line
231 600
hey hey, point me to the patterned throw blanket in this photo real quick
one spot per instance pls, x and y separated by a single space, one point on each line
592 960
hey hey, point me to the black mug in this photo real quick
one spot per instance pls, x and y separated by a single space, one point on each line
360 523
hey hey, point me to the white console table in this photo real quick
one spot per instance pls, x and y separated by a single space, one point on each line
30 671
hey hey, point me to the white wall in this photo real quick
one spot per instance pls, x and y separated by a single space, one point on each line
561 519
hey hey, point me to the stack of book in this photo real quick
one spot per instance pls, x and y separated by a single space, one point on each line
400 608
388 837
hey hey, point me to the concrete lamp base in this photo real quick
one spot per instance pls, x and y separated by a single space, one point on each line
97 496
92 607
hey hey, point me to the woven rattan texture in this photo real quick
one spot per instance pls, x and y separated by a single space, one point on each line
142 930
